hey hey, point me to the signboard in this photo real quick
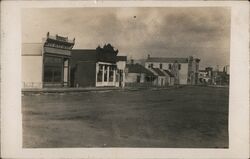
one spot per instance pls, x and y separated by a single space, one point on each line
57 51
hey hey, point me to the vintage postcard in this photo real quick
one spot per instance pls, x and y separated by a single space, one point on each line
125 79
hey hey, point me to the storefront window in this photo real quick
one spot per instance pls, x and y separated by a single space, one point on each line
105 73
111 73
53 67
99 74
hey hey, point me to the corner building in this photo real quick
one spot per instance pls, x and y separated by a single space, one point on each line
47 64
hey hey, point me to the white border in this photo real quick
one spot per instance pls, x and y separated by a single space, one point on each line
11 127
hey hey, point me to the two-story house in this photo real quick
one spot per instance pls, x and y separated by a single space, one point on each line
185 70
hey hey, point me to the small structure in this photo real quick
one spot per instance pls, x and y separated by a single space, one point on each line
137 75
47 64
161 79
97 67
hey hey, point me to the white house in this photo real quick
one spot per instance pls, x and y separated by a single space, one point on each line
46 64
185 70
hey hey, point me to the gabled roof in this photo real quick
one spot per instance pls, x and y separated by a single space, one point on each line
158 71
167 60
137 68
169 73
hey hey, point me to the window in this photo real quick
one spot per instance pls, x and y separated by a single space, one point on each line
160 65
169 66
99 74
150 65
105 73
117 76
111 73
138 77
53 67
179 66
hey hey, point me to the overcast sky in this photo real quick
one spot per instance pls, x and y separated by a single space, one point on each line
136 32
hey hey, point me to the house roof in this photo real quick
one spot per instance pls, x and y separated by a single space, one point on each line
158 71
167 59
169 73
137 68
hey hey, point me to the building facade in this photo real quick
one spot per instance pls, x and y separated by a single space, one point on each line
206 76
47 64
138 75
161 78
185 70
97 67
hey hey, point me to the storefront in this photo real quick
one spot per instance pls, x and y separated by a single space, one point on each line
57 54
106 74
47 64
97 68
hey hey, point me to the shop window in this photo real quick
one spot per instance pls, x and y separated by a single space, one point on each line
53 67
111 73
99 74
105 73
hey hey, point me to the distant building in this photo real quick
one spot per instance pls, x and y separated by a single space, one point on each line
170 77
164 77
185 70
97 67
206 76
221 77
226 69
137 75
46 64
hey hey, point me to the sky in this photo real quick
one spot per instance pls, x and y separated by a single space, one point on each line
201 32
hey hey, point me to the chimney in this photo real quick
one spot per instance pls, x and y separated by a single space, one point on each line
148 56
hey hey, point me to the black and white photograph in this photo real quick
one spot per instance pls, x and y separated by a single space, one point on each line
125 79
